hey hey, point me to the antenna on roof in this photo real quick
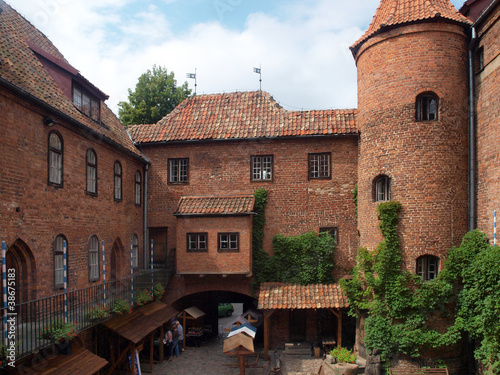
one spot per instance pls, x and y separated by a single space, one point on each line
259 72
193 76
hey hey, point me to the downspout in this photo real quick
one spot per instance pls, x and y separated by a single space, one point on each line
145 215
472 138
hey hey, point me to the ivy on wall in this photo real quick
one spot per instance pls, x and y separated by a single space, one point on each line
399 305
397 302
304 259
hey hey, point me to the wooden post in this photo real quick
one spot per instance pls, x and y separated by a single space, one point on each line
338 314
162 335
241 362
151 351
267 332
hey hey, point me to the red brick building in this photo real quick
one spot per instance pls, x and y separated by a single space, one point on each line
69 170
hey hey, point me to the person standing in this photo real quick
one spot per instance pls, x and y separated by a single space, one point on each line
180 329
167 342
174 348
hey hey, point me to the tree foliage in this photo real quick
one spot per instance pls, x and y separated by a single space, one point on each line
156 94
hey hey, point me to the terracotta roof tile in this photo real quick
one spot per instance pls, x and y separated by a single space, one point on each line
391 13
20 66
241 115
213 205
291 296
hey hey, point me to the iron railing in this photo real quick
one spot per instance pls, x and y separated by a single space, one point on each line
33 317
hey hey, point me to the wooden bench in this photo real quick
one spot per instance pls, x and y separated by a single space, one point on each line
275 363
421 371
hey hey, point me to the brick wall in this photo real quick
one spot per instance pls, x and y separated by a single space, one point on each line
213 261
488 126
295 204
33 213
426 161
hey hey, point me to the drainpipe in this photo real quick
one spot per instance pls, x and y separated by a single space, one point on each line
145 215
472 137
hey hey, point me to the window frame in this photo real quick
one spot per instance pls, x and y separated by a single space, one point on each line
332 232
80 96
387 185
253 159
59 153
90 166
94 264
198 249
135 251
311 159
178 175
423 264
138 188
229 249
118 182
58 253
422 107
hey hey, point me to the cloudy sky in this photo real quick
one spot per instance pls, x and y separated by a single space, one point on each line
302 46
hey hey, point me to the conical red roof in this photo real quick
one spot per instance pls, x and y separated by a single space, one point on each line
392 13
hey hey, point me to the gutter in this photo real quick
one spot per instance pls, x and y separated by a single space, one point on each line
472 134
145 215
67 118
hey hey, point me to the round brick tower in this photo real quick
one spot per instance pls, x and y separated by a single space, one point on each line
413 123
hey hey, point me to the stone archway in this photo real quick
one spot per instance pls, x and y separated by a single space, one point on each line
20 257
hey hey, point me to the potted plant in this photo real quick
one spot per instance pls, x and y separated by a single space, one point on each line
97 313
143 296
61 335
345 361
158 291
120 306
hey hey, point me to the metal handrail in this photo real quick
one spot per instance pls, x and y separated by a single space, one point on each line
33 317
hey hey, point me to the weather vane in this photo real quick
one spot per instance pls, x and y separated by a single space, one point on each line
259 72
193 76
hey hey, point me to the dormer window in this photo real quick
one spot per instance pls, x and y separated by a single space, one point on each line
86 103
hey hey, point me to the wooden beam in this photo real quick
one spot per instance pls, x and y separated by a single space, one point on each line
267 331
162 335
338 315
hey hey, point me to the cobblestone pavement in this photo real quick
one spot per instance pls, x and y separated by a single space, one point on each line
208 359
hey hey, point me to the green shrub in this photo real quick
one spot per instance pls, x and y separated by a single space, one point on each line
343 355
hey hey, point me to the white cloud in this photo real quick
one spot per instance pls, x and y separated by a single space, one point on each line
303 49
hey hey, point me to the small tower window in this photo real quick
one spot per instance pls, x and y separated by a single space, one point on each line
427 107
382 189
428 267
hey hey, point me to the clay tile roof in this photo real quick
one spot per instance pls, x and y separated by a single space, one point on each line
21 44
290 296
392 13
230 205
241 115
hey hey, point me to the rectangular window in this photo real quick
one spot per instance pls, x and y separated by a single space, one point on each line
319 166
59 270
86 103
197 242
262 167
332 231
178 170
229 241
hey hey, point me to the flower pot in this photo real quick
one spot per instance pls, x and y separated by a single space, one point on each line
345 369
63 347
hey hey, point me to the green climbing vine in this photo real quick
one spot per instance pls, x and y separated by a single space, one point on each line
304 259
399 306
355 198
397 303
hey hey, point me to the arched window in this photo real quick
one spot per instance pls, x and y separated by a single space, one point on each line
91 172
59 260
135 251
118 181
427 107
94 258
138 185
428 267
55 159
382 189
